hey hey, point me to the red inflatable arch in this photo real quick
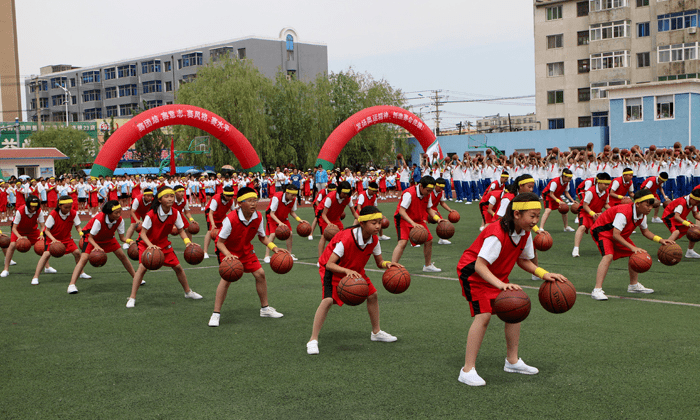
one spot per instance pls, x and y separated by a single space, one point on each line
162 116
368 117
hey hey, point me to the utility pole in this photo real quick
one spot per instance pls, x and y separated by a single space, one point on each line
37 86
437 112
510 123
459 125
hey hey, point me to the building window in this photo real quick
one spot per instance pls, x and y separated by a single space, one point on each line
125 109
584 122
677 52
643 59
91 77
33 105
152 86
218 54
193 59
584 66
600 119
91 95
642 3
168 66
598 5
676 21
111 111
554 13
72 82
241 54
643 29
583 37
58 81
555 41
128 90
582 9
610 30
584 94
555 97
555 69
153 104
92 114
110 92
598 91
610 60
168 86
187 78
556 123
110 73
44 102
664 107
290 47
58 100
126 71
74 101
634 109
152 66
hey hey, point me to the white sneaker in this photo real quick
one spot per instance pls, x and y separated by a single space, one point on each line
598 294
656 220
415 246
85 276
481 228
312 347
12 262
692 254
206 255
311 237
318 265
468 202
294 258
569 229
50 270
384 238
125 246
4 273
270 312
431 268
266 260
444 242
143 282
638 288
214 320
471 378
72 289
576 220
192 295
520 367
35 281
382 336
130 303
575 253
535 278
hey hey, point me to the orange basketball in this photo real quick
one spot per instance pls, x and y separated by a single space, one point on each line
174 232
40 247
133 251
640 262
352 291
670 254
330 231
512 306
626 200
281 262
214 233
193 228
563 208
4 241
445 229
385 222
304 229
283 233
693 233
557 297
97 258
231 269
194 254
453 217
23 244
542 241
57 249
575 207
152 258
396 279
418 235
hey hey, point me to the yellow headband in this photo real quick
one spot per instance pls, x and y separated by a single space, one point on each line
117 207
228 193
568 175
346 191
630 172
603 181
166 192
148 193
663 179
440 185
430 186
694 197
373 189
292 191
505 176
33 204
247 196
645 198
527 205
66 201
372 216
180 189
526 181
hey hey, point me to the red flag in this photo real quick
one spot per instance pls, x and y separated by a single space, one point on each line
172 157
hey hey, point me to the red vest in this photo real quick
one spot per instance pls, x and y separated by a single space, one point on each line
435 199
27 224
61 229
603 227
561 187
283 210
368 201
239 241
320 199
494 186
159 231
51 194
19 196
143 208
581 189
181 206
418 210
106 233
597 203
354 258
669 210
654 184
336 209
221 208
621 190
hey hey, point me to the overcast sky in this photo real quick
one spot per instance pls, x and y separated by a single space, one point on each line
469 49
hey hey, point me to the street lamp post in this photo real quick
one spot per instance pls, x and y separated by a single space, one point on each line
66 101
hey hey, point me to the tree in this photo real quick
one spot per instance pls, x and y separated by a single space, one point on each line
150 146
76 144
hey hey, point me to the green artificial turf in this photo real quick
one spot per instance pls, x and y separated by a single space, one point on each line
86 356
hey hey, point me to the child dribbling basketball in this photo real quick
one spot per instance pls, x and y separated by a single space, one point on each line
483 272
346 255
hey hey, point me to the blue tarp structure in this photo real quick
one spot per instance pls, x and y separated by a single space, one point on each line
143 171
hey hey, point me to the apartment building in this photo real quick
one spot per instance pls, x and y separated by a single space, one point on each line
507 123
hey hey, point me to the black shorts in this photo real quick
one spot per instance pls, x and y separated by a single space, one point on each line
209 194
43 203
10 205
124 196
100 200
82 199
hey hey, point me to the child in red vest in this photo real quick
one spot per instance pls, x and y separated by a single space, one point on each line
346 255
483 273
282 205
58 229
155 230
611 233
332 208
594 201
216 211
27 223
181 205
318 207
234 241
99 233
551 193
675 218
139 208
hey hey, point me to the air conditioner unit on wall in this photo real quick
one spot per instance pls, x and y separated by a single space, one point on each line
692 30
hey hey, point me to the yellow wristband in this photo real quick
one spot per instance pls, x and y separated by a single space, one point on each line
187 241
41 233
298 219
540 272
191 219
535 229
128 240
558 200
81 233
271 245
592 213
686 223
656 238
436 218
385 263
